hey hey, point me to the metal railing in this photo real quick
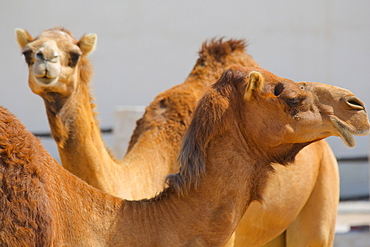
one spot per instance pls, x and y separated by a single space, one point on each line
48 134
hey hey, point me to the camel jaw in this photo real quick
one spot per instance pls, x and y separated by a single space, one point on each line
346 132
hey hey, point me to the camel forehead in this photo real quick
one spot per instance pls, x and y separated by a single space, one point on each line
267 75
272 80
54 39
57 35
59 38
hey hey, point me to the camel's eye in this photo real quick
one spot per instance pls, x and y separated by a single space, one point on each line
73 59
278 89
28 57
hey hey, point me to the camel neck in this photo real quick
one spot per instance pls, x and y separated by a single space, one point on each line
76 204
205 216
202 215
76 132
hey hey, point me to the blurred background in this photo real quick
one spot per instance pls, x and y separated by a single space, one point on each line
147 46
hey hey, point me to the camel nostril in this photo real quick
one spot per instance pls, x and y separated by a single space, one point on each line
55 59
355 103
39 55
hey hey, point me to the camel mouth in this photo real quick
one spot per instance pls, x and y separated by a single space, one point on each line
346 131
45 81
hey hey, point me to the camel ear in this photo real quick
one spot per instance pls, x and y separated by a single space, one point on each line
87 43
255 83
23 37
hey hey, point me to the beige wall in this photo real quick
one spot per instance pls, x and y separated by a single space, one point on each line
147 46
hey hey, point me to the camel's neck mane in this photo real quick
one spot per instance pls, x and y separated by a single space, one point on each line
207 122
216 51
219 50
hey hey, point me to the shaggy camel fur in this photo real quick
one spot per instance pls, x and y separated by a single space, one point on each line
156 141
249 119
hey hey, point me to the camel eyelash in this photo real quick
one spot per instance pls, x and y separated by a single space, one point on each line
294 102
73 59
28 56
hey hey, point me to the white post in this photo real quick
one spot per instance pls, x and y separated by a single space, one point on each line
368 163
124 123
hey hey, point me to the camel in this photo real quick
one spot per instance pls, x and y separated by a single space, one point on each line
248 120
72 116
156 141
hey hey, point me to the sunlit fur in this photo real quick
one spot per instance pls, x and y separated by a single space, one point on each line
156 139
165 121
234 171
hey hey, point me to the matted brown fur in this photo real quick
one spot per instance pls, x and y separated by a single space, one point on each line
25 218
219 49
205 121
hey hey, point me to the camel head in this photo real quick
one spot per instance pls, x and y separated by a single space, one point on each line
277 111
342 111
55 59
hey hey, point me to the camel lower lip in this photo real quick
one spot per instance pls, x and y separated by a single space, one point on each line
344 132
44 81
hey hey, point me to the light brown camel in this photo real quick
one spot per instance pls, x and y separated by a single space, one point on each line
72 120
156 141
247 120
